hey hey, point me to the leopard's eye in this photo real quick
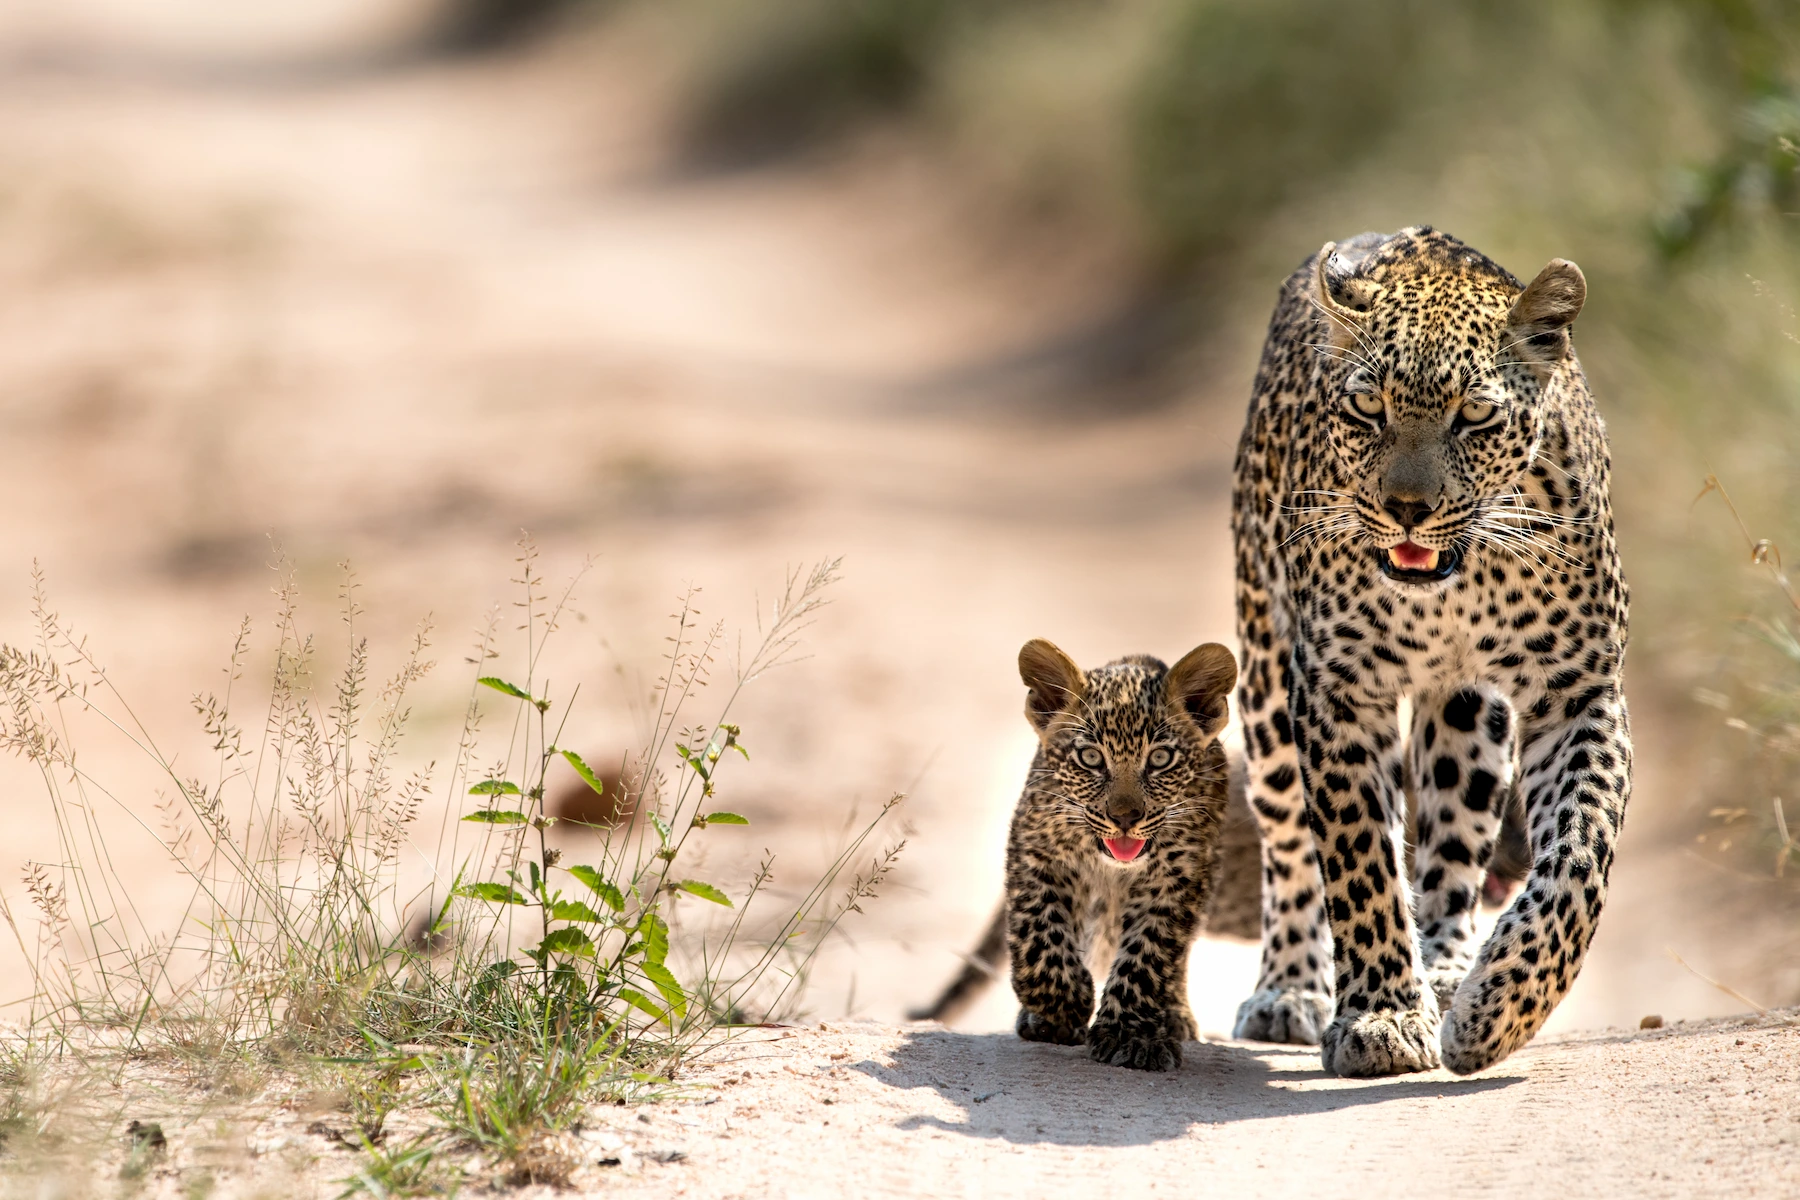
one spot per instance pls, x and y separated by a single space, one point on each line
1090 757
1160 757
1366 405
1475 412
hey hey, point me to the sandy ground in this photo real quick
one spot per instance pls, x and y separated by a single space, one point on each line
397 316
869 1110
864 1109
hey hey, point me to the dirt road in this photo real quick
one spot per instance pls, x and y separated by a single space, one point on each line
868 1110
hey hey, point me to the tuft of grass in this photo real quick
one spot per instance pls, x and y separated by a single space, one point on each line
416 1167
1765 706
502 990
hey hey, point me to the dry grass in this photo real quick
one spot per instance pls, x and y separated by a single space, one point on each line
486 1000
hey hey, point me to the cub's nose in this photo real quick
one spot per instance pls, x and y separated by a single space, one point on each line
1409 512
1125 812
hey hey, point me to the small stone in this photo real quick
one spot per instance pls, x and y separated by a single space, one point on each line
146 1135
1653 1021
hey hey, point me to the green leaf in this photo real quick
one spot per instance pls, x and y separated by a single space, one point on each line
739 747
643 1003
724 818
586 772
705 891
666 983
567 940
573 910
494 787
662 828
496 816
656 938
500 685
695 760
499 893
598 884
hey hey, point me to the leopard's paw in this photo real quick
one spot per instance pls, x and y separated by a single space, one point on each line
1444 978
1140 1046
1289 1015
1058 1030
1382 1043
1180 1022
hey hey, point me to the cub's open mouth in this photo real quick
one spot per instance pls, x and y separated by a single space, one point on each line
1123 848
1412 563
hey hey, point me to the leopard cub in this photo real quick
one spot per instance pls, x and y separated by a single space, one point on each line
1113 848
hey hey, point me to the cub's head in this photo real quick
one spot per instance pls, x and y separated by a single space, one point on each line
1127 746
1433 372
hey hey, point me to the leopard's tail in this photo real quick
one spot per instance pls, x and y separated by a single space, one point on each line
980 968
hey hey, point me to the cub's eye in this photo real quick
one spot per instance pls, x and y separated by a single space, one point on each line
1475 412
1090 757
1160 757
1366 405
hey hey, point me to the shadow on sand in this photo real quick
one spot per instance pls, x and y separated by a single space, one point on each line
1029 1093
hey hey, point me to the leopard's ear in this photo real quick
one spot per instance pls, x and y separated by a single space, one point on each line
1055 681
1537 328
1342 294
1200 685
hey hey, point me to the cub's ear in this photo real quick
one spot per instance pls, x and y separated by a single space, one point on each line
1054 679
1537 328
1200 684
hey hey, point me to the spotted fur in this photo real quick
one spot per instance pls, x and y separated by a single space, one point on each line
1416 405
1113 848
1233 906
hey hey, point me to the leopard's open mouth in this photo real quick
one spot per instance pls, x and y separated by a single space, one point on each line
1124 849
1410 562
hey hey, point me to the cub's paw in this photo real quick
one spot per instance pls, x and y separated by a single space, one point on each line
1180 1023
1140 1046
1381 1043
1288 1015
1041 1027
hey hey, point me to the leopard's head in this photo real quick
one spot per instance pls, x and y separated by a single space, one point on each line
1127 747
1433 373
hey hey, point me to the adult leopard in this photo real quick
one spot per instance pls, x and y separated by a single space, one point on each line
1421 513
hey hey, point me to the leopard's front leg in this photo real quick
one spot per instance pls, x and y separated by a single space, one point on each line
1387 1020
1292 1001
1043 931
1577 777
1144 1017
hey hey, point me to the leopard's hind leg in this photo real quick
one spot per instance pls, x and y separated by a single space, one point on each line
1462 770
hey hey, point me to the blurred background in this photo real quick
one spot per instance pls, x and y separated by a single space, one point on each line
968 293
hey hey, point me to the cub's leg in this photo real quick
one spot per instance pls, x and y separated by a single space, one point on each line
1462 769
1044 901
1144 1017
1387 1020
1292 1001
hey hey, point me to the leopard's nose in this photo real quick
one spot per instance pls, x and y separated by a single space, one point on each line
1125 811
1408 512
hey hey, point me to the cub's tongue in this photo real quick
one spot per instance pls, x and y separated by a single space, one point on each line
1411 557
1124 849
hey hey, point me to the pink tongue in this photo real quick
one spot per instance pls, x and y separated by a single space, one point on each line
1124 849
1411 556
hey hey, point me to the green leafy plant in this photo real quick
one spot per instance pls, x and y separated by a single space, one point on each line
503 995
